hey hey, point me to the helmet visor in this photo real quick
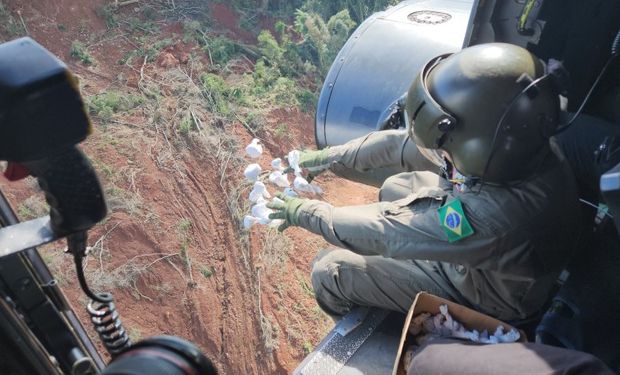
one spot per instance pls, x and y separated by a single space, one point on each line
435 156
427 120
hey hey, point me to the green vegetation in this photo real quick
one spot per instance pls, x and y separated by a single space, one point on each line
147 49
123 200
186 124
11 24
57 262
187 261
241 81
218 93
289 63
106 13
358 9
141 25
322 40
283 63
185 225
221 49
103 168
306 99
107 103
206 272
80 52
307 347
32 208
135 334
307 289
191 30
281 130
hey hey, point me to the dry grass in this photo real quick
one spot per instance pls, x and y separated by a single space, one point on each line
57 262
32 208
269 334
275 249
269 331
127 275
124 200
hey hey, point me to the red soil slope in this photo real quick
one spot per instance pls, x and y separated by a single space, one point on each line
220 311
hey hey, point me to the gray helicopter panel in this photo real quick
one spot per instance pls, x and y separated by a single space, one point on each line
380 60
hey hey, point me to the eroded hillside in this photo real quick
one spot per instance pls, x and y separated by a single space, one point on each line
175 91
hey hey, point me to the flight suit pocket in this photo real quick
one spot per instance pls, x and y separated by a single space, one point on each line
425 198
402 185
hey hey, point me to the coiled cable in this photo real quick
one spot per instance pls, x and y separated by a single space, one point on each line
107 323
102 310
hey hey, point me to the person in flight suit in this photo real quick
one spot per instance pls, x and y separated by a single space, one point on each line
490 223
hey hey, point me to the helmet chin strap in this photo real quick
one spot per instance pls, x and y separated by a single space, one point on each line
454 176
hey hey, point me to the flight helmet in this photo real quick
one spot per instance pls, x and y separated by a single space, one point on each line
488 109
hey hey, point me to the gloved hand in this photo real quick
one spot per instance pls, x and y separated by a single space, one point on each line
288 210
315 161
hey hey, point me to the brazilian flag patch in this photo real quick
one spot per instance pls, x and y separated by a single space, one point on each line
453 221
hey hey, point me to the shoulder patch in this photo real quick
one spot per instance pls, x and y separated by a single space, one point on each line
453 221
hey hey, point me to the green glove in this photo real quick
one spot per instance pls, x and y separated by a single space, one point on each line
315 161
287 210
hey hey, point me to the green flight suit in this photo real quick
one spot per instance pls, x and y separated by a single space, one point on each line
523 236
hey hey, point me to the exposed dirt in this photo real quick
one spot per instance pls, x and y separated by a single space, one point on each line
218 300
228 20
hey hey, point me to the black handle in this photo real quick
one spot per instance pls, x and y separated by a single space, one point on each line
72 190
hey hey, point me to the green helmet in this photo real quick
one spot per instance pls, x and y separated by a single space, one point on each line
491 108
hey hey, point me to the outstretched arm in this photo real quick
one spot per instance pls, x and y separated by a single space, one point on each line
409 228
396 230
387 148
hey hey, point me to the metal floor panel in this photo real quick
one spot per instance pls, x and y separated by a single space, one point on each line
364 342
377 354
